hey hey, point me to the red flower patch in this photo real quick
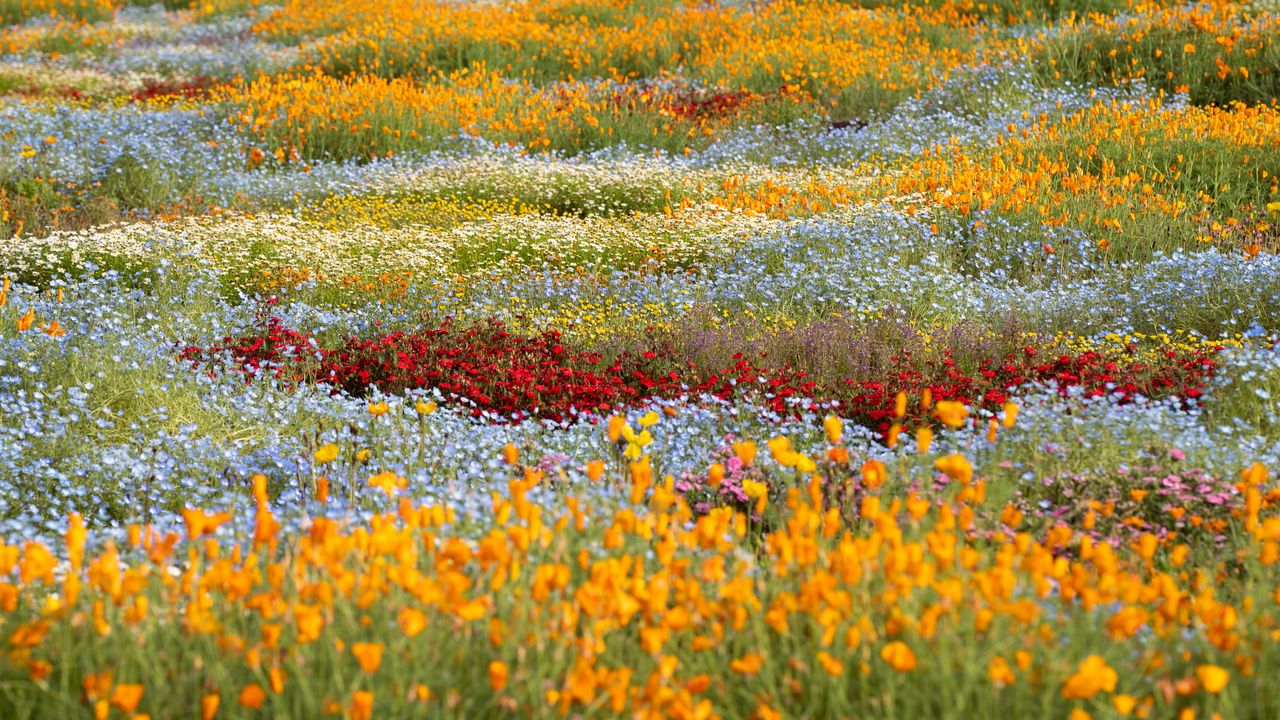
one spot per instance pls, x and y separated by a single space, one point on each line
516 376
196 87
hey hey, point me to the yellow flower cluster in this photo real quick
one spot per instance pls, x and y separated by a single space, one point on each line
86 9
1111 167
822 47
631 608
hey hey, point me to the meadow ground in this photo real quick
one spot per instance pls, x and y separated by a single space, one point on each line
596 358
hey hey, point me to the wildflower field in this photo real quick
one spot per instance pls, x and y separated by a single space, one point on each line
639 358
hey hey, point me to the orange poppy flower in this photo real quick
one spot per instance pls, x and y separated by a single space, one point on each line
369 655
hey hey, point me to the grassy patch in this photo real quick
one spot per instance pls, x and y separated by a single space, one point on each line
14 11
1215 54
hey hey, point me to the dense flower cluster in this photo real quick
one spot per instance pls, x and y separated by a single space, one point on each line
1167 501
890 593
153 90
826 358
510 375
493 370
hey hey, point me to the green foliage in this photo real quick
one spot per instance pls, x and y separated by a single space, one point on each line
132 183
1247 400
1215 60
1016 12
16 11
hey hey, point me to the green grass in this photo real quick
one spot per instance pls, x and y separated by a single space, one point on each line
16 11
1014 12
1247 401
1171 55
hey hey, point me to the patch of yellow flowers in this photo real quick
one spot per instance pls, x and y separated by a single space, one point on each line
632 606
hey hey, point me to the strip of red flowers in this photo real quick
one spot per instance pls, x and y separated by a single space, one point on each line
503 374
